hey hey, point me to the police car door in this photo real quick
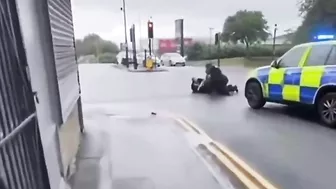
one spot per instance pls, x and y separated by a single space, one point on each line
285 77
314 69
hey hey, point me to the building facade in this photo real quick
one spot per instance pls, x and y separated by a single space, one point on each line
164 45
45 32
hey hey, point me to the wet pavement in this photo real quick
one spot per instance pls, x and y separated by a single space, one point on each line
156 153
284 144
145 151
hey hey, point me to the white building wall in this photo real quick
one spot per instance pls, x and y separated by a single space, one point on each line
39 56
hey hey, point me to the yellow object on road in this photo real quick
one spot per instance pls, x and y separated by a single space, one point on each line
149 63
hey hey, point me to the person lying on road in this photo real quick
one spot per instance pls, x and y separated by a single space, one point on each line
217 81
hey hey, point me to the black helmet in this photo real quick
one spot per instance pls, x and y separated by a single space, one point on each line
208 68
208 65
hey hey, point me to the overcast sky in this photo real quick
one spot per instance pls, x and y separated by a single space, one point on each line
105 18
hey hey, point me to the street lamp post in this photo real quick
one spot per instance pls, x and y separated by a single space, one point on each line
274 36
125 27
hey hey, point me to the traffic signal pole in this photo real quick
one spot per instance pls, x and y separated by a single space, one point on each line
132 38
182 39
150 46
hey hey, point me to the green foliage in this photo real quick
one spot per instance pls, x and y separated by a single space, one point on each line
196 51
87 59
201 51
246 27
317 15
94 44
305 6
107 58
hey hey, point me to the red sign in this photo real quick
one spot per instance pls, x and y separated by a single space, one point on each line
170 45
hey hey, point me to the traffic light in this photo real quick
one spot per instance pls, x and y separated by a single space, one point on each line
217 35
150 30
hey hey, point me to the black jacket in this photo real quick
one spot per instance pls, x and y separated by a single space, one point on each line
217 75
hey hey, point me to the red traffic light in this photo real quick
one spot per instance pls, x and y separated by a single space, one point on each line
150 30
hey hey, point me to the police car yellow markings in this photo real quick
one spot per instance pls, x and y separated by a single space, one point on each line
265 88
292 84
311 76
300 83
291 93
276 76
277 84
304 57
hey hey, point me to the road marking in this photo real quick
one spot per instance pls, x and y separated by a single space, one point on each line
242 170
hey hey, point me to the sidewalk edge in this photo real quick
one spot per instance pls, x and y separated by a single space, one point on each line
242 170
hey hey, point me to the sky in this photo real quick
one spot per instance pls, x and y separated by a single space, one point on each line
105 18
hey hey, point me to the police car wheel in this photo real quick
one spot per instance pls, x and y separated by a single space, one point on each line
254 96
326 108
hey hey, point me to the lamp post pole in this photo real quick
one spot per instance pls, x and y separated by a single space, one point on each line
125 28
274 36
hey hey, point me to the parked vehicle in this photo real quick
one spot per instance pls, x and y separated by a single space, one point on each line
173 59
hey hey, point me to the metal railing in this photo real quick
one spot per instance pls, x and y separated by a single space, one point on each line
22 164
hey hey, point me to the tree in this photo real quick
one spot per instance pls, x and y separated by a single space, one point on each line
246 27
305 6
107 58
94 44
318 15
196 51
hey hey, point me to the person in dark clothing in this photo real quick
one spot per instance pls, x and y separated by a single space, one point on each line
217 81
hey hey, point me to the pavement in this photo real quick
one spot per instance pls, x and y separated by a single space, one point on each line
145 151
284 144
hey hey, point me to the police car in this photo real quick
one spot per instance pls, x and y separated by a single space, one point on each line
306 74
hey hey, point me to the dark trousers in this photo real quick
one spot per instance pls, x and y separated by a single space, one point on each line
220 87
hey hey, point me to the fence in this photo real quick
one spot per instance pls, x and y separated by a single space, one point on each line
22 164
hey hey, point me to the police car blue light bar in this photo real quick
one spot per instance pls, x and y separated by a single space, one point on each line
325 37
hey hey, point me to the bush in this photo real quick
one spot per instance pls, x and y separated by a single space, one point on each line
107 58
196 52
202 52
232 51
280 51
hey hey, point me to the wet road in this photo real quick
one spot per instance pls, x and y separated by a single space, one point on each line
281 143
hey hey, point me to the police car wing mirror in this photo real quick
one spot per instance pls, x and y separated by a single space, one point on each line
275 64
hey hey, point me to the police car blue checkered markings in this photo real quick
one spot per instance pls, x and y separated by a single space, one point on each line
306 74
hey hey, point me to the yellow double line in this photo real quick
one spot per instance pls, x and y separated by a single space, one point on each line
250 178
